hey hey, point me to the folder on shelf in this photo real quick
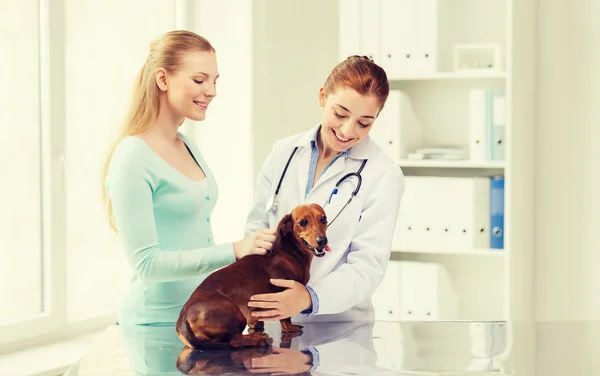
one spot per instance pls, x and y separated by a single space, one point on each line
426 33
409 37
415 291
478 125
498 110
497 212
487 125
397 295
443 214
406 236
370 14
398 37
397 130
437 298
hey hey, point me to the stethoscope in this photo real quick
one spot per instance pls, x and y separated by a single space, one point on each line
273 202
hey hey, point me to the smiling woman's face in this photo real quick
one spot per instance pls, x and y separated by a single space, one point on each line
192 87
347 118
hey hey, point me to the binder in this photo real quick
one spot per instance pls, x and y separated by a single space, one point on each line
497 212
397 130
387 300
437 298
478 125
370 14
406 235
498 110
444 214
426 33
415 291
487 125
399 37
469 227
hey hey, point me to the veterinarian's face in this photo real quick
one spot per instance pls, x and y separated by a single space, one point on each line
347 117
310 228
192 87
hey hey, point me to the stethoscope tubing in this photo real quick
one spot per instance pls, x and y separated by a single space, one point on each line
356 174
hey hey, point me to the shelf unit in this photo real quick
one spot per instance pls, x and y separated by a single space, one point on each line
430 106
457 252
420 163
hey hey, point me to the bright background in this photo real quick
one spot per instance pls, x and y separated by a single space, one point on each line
273 56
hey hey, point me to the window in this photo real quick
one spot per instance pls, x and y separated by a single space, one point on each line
20 163
102 63
65 95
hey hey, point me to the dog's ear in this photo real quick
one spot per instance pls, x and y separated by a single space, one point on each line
285 226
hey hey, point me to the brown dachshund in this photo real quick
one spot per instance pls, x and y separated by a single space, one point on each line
217 312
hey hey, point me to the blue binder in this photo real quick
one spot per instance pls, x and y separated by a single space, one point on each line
497 212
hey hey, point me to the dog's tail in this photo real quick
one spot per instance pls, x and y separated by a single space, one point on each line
197 343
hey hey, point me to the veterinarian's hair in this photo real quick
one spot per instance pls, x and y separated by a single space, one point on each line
165 52
360 74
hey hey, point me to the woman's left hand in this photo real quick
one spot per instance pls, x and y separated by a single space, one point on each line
281 305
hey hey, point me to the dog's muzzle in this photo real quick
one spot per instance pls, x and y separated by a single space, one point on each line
318 252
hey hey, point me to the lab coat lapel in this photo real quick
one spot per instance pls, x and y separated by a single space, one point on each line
334 171
302 166
303 160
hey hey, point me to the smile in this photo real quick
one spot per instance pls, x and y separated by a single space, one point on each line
203 105
316 251
340 139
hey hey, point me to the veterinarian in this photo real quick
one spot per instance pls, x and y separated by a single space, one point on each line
159 190
306 168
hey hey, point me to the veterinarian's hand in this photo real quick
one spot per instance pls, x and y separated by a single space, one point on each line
281 362
281 305
257 243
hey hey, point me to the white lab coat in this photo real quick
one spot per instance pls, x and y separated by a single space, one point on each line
360 238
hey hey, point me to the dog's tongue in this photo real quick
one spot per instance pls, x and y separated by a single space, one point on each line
327 249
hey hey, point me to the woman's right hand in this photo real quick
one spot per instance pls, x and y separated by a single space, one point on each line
257 243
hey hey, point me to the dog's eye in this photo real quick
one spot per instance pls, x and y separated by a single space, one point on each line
323 219
303 222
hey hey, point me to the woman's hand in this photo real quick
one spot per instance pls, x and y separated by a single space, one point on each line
257 243
281 305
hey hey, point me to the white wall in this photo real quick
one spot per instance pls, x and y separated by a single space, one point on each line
272 66
295 48
567 266
224 137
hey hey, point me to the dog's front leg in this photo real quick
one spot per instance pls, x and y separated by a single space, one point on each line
288 327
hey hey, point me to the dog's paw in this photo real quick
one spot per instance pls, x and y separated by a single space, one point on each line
257 326
268 341
291 328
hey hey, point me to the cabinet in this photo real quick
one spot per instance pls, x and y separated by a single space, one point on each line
460 122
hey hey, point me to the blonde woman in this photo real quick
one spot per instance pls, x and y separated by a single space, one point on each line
159 191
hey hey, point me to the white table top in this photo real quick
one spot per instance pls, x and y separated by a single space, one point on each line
379 348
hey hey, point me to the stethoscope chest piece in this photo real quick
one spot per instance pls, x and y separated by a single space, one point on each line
271 204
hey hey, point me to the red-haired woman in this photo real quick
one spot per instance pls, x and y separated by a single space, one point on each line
361 208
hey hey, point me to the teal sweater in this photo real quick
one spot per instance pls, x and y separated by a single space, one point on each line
163 218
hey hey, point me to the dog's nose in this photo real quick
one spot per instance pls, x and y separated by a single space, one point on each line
322 241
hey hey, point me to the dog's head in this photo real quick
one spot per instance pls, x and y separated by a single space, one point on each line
306 225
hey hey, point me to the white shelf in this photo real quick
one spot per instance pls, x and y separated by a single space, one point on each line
429 163
453 76
430 105
472 252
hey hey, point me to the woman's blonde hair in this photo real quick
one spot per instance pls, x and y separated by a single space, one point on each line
165 52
